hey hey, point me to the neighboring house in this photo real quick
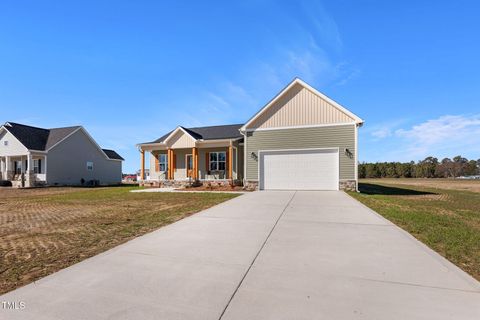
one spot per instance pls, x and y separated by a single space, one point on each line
301 140
31 156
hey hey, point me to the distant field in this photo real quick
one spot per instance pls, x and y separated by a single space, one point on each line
44 230
450 184
442 213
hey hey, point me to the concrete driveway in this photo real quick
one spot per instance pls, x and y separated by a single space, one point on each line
264 255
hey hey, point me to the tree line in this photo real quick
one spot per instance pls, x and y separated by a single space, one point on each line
430 167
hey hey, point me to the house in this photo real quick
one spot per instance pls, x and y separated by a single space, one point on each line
31 156
300 140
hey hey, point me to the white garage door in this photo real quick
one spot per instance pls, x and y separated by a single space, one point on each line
299 169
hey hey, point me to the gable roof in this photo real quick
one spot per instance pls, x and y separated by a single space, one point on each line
31 137
302 83
58 134
41 139
111 154
207 133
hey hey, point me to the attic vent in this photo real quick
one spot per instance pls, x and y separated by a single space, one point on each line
5 143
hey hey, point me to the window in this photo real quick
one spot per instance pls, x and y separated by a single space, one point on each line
163 162
217 161
89 165
5 143
37 166
18 166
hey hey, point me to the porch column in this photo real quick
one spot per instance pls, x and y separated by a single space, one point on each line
45 166
142 165
170 164
230 161
29 171
195 162
8 168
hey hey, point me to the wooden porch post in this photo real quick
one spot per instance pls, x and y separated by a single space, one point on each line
142 165
195 162
170 164
230 161
174 163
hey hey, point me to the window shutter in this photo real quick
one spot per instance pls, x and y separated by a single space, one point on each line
207 162
157 165
174 161
39 165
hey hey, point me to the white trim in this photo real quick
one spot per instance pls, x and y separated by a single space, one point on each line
37 151
302 127
236 162
244 158
307 86
289 150
175 131
200 141
356 158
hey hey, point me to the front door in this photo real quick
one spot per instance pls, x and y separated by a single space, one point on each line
189 161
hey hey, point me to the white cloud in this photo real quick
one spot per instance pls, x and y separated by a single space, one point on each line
382 133
448 135
445 128
384 129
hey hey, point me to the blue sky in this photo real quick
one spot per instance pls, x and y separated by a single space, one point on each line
130 71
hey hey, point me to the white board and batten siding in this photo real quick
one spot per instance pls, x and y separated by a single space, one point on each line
307 169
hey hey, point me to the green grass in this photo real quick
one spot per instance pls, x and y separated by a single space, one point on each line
45 230
448 221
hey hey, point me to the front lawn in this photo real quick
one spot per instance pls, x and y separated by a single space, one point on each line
447 220
45 230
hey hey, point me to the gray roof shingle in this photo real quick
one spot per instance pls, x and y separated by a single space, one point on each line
57 134
209 133
111 154
40 139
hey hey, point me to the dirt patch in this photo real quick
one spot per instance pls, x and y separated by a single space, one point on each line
44 230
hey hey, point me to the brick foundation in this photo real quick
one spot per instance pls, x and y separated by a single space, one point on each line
185 183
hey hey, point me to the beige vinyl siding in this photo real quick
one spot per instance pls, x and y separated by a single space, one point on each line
342 136
181 140
300 107
154 174
180 172
202 166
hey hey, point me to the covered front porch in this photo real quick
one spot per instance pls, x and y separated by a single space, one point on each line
192 164
27 170
185 159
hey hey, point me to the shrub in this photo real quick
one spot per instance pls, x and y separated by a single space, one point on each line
5 183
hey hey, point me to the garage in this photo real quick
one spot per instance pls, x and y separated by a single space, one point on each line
308 169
